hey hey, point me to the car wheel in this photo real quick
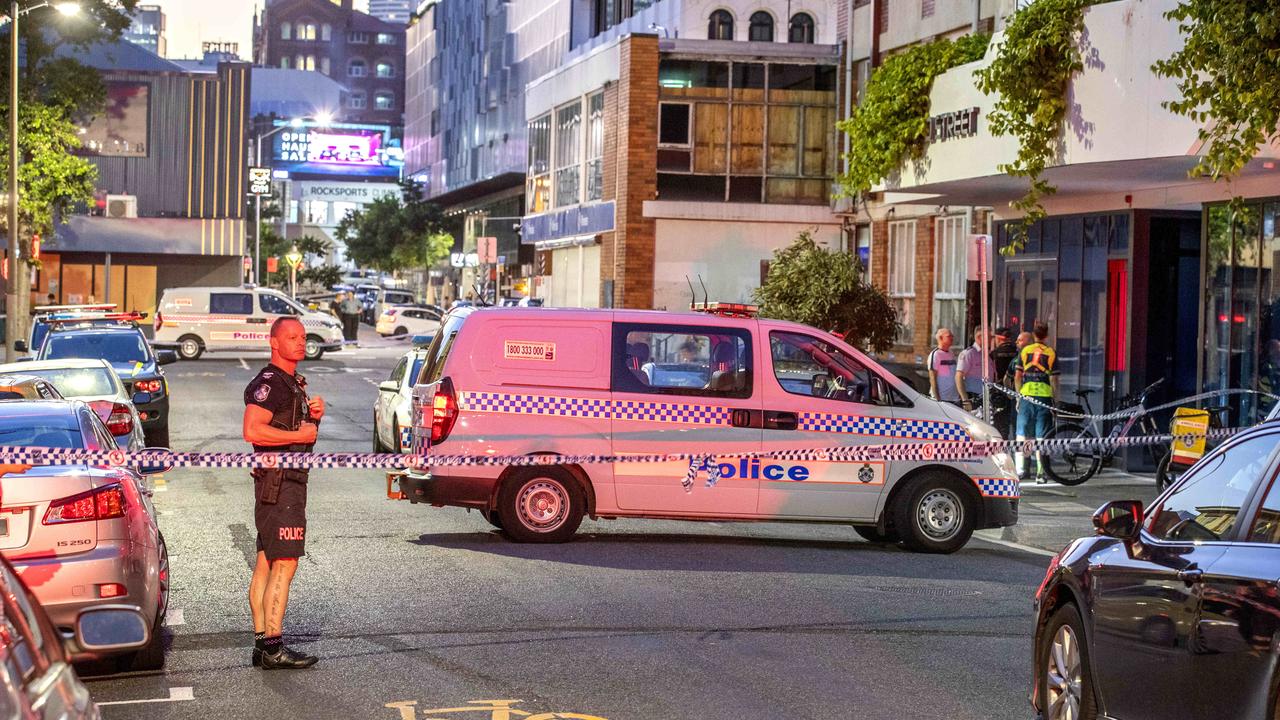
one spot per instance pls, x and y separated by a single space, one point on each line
401 330
378 447
314 351
935 514
162 580
1066 680
157 436
541 505
190 347
396 446
871 533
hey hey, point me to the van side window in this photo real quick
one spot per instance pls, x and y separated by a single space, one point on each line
806 365
438 350
681 360
230 304
275 305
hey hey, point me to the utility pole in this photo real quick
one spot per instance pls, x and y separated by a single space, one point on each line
12 326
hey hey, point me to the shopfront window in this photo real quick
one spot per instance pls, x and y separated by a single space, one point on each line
568 150
539 191
595 147
949 275
902 276
1238 347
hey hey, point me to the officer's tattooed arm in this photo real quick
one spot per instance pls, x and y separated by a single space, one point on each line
259 431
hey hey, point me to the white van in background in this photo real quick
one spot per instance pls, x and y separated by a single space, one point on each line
194 320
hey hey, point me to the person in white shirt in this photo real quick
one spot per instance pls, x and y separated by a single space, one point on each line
969 375
942 368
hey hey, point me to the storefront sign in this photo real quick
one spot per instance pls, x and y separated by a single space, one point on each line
359 193
567 223
953 125
259 181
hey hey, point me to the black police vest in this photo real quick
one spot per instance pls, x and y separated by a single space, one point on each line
289 415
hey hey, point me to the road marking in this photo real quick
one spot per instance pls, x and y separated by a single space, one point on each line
244 364
175 618
1016 546
176 694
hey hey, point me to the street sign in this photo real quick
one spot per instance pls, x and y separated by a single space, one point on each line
280 174
273 265
259 181
463 260
487 249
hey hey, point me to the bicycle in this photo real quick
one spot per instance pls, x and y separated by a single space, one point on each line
1072 464
1168 472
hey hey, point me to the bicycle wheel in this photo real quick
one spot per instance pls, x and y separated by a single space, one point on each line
1168 472
1068 463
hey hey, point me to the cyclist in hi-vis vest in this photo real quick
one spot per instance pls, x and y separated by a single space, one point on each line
1036 377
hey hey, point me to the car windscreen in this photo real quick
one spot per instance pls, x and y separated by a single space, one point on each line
113 347
81 382
58 431
38 331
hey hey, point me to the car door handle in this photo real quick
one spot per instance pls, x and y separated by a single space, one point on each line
780 420
1191 575
746 418
257 321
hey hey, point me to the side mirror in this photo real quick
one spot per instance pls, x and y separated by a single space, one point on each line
880 394
156 469
1120 519
389 386
20 346
166 357
111 627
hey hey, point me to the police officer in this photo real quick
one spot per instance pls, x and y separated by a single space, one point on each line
279 417
1036 375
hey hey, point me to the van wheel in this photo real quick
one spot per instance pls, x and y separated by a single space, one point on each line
314 351
541 505
190 347
871 533
935 514
494 520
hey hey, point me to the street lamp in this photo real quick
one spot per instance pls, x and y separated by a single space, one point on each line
12 319
322 119
293 257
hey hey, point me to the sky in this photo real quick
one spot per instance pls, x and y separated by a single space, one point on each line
191 22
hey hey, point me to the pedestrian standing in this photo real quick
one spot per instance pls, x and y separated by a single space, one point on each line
335 308
1002 357
969 375
350 310
279 417
942 368
1036 375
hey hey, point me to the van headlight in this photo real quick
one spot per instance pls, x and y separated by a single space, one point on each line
981 432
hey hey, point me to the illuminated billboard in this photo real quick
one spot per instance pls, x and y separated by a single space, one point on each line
341 149
120 130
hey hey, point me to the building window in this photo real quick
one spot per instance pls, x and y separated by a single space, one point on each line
926 8
721 26
568 146
306 31
358 38
357 68
324 65
385 69
595 147
326 32
673 124
902 276
801 29
385 39
300 62
317 212
761 28
949 274
284 62
539 191
342 209
286 30
862 249
384 100
357 100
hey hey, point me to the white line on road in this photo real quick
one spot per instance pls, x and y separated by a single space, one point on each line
176 694
244 364
1016 546
175 618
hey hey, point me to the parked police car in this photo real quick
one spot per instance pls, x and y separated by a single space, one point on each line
515 381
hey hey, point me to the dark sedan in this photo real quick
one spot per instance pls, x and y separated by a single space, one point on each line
1172 612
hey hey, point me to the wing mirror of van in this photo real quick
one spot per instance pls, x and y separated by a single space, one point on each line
166 357
111 627
389 386
20 346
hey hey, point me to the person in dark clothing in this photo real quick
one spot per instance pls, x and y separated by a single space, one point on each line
1003 354
279 417
350 310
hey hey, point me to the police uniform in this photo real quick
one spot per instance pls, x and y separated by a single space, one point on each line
280 507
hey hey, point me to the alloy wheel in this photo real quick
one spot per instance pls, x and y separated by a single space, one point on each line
1063 676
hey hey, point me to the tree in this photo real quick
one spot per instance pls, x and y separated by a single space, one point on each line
311 247
396 233
825 289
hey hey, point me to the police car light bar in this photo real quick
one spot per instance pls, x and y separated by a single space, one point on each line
729 310
63 308
121 317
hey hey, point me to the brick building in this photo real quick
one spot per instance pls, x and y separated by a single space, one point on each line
365 54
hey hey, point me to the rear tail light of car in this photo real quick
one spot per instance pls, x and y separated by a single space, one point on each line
102 503
150 386
116 415
158 322
444 412
110 590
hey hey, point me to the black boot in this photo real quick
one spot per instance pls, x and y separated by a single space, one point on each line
279 657
259 640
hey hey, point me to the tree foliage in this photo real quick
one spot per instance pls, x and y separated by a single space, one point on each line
312 249
1226 72
50 179
825 289
890 126
396 233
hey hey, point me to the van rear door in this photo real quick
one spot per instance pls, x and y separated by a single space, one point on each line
685 389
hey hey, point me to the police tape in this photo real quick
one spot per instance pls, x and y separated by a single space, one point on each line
1128 412
699 462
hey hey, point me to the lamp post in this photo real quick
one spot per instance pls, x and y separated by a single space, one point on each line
293 257
12 319
323 120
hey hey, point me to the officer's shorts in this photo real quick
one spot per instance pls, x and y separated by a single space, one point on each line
282 526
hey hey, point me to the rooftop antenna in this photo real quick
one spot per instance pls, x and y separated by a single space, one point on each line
693 295
706 297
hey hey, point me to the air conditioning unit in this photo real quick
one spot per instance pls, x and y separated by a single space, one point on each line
122 206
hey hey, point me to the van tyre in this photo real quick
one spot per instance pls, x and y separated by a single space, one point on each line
935 514
540 505
315 350
190 347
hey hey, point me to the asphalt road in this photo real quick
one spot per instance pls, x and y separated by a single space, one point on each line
417 610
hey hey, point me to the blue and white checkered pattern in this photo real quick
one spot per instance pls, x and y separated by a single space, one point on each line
671 412
882 426
998 487
685 413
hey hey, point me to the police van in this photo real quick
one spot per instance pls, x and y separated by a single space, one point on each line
193 320
606 383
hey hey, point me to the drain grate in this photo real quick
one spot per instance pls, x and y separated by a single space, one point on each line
926 591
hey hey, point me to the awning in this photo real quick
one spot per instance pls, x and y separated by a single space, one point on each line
567 242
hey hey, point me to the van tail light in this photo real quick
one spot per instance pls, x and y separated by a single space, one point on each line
444 412
103 503
116 415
